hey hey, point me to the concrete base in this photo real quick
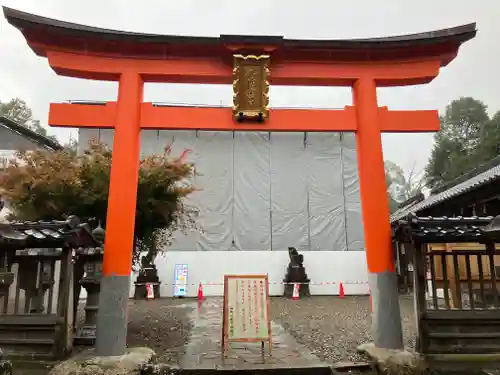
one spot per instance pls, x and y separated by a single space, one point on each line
112 316
387 329
87 363
393 361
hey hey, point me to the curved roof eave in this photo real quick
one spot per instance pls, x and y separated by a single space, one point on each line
454 36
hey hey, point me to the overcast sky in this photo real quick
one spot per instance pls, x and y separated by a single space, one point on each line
474 73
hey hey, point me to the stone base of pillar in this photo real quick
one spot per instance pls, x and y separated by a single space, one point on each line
393 361
88 363
86 333
387 330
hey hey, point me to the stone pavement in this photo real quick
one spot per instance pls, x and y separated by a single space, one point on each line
203 350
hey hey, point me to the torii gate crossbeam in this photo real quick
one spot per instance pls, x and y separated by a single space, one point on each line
132 59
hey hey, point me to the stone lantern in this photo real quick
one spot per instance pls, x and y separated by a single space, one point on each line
5 366
91 281
6 279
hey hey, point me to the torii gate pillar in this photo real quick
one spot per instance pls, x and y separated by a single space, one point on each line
375 208
131 59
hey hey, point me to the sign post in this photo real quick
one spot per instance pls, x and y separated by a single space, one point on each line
246 316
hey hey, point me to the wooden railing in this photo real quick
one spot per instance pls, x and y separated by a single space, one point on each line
462 277
36 310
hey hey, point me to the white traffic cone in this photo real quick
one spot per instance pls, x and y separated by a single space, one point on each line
150 293
296 291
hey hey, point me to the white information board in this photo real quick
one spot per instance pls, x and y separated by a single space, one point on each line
246 310
180 280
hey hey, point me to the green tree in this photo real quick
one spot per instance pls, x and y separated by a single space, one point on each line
490 139
17 110
458 144
45 185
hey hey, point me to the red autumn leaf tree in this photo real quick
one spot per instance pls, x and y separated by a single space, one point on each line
46 185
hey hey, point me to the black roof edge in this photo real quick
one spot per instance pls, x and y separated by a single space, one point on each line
458 34
30 134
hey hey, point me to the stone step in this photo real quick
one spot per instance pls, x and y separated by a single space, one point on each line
160 369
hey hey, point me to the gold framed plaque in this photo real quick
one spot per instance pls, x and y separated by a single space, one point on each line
251 87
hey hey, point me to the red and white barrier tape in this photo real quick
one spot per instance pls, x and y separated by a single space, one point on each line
278 283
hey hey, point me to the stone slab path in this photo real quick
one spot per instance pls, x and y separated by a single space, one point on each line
203 350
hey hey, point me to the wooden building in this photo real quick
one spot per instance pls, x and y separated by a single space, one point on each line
15 137
476 193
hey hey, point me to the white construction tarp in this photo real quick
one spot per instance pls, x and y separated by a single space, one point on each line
289 197
178 142
354 220
215 196
326 193
266 191
252 191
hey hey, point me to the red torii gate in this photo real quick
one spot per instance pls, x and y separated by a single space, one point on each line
132 59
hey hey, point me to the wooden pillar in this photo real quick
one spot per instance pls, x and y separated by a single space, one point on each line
120 223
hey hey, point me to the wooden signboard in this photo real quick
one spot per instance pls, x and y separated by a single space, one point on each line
246 315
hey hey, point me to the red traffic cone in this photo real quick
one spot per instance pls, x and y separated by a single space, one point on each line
296 291
201 297
341 291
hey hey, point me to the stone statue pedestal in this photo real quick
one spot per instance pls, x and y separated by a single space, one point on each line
87 332
5 366
296 273
147 275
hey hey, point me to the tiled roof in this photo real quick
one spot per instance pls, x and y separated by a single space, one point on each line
46 234
445 229
463 187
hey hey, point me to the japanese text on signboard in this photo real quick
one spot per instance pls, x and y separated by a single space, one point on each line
247 308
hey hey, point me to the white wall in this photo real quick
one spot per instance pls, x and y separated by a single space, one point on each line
211 266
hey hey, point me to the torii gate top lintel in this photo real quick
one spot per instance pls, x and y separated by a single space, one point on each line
413 59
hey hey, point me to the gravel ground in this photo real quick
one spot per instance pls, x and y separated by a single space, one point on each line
331 327
162 325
